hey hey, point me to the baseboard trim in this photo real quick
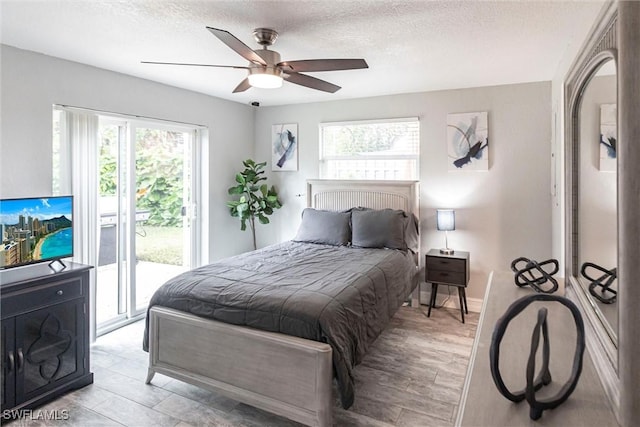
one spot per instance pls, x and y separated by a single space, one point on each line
449 300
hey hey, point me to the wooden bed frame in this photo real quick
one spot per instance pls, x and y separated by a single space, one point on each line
231 359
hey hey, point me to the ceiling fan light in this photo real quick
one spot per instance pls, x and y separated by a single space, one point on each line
265 78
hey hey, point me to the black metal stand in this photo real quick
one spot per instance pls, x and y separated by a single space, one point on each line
53 263
544 377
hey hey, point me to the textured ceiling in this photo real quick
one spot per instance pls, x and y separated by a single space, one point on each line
410 46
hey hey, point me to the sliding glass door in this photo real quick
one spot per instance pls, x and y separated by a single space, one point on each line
111 297
137 217
162 198
145 206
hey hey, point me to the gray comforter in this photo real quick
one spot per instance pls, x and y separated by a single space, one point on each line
338 295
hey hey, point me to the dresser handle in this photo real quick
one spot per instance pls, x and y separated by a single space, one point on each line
59 292
20 360
444 274
12 361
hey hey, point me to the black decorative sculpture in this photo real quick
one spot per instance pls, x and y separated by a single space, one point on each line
544 377
533 274
603 282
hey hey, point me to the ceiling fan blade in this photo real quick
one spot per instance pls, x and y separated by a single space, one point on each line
312 82
234 43
195 65
244 85
324 65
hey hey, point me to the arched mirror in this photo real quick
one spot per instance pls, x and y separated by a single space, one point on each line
602 202
597 213
591 195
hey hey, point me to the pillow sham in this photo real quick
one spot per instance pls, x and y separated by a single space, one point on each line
378 228
324 227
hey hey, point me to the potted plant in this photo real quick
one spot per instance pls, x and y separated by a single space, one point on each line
256 200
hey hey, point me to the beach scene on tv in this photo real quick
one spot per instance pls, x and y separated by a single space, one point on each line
35 230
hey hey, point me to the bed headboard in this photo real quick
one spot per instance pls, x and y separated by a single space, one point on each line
335 195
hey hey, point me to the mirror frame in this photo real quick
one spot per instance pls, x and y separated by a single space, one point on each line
600 47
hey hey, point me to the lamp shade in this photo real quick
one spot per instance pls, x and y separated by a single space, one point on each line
446 219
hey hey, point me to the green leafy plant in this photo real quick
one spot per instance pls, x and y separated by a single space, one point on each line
159 173
256 200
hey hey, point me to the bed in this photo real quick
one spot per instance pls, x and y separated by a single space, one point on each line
278 347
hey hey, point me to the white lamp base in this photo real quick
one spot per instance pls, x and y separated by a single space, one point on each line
447 251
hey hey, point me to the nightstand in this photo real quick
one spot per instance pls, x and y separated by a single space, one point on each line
450 270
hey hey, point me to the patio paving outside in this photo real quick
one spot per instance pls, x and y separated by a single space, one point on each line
149 277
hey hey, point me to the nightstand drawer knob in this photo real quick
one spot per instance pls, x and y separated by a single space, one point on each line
59 292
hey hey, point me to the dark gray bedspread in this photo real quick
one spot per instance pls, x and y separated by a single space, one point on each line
338 295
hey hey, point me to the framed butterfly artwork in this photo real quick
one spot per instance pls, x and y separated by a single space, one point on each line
284 145
468 142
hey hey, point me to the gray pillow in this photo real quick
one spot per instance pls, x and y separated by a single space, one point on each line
378 228
325 227
411 232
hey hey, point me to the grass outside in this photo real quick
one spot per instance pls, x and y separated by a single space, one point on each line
159 244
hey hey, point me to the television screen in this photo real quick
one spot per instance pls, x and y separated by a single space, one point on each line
35 230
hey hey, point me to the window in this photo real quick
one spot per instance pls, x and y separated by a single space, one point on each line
373 149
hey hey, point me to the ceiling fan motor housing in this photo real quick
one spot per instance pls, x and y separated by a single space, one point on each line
272 58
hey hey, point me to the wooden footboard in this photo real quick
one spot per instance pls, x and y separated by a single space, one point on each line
286 375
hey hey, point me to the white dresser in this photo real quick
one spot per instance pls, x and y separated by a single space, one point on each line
483 405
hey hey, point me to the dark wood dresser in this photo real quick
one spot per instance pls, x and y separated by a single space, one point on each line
45 333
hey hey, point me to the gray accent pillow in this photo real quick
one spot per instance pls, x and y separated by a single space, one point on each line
412 232
378 228
325 227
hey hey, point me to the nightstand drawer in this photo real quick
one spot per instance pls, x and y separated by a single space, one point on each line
446 277
446 264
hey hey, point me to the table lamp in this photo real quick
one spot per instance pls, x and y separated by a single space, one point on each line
446 221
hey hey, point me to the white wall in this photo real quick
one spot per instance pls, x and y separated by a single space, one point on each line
32 83
500 214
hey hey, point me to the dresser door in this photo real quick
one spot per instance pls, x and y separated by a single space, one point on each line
49 348
8 353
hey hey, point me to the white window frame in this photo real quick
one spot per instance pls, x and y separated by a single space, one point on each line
323 159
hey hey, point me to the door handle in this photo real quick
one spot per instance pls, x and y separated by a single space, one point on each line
12 361
20 360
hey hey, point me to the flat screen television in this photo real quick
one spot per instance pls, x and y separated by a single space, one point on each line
35 229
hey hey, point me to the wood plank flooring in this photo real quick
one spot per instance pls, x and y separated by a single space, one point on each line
412 376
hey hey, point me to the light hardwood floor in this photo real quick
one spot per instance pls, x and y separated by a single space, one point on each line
412 376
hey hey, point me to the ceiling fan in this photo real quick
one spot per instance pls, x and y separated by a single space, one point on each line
266 70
